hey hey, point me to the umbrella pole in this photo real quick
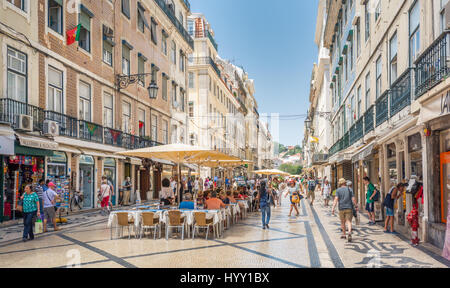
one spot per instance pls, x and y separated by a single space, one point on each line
179 184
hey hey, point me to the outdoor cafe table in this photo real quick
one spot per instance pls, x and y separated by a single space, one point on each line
132 215
216 215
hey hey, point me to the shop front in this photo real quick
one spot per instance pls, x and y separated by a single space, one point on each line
57 166
435 116
27 166
109 170
87 180
7 140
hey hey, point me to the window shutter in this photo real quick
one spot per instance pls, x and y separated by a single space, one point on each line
126 7
85 21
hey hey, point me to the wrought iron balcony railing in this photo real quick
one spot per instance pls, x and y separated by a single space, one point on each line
68 126
205 61
171 15
112 137
369 120
432 66
320 158
400 93
10 110
213 41
382 108
90 131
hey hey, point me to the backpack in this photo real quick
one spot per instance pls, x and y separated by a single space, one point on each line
312 185
376 197
388 200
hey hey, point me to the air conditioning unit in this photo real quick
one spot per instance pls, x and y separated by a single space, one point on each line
24 122
51 128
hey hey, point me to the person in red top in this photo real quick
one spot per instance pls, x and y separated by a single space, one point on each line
214 203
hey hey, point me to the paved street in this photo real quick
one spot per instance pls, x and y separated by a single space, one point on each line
311 240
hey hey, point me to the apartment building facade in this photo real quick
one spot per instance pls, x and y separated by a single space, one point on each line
66 109
390 113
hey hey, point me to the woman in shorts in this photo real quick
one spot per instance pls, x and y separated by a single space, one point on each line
294 196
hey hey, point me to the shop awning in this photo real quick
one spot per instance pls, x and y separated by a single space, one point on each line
36 142
434 108
68 149
165 162
364 153
7 140
29 151
93 153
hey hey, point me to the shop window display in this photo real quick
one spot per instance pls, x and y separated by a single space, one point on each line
19 172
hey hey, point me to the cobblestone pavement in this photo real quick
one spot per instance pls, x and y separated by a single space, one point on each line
310 240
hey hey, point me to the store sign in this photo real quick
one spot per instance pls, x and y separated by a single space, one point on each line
28 142
445 103
7 145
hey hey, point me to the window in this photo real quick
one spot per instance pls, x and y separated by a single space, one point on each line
141 70
85 30
378 75
55 15
442 15
393 58
21 4
55 90
17 75
174 95
164 88
141 116
165 131
182 99
367 18
378 10
126 117
368 91
353 110
191 80
164 42
108 110
182 61
191 109
173 53
153 31
108 45
154 128
126 8
358 114
414 32
181 18
125 60
140 19
191 28
358 38
85 101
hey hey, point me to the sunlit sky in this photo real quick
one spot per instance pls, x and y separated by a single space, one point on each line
274 42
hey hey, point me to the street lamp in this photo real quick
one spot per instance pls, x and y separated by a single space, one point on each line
152 90
123 81
308 122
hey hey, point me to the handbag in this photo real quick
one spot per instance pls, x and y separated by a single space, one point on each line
20 206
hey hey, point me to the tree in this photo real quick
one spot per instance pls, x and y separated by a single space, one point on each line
291 169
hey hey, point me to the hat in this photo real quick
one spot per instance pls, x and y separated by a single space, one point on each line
342 181
51 184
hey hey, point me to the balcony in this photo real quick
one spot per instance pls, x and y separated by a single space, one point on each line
10 110
112 137
206 61
67 125
432 66
171 15
90 131
213 42
382 108
401 93
357 131
368 120
320 159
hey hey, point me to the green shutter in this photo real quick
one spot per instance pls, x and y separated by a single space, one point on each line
60 2
125 52
85 21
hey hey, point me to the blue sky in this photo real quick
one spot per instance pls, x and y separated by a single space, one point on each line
274 42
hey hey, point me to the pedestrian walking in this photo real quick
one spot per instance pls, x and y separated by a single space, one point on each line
127 191
264 203
311 190
40 192
50 197
395 193
326 192
370 203
294 196
30 209
346 200
105 193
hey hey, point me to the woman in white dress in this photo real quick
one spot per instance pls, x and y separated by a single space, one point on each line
326 192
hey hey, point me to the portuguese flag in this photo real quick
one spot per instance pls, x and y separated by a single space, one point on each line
73 35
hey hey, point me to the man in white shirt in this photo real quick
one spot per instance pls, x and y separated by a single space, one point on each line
49 198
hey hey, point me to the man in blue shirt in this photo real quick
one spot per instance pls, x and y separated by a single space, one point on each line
187 204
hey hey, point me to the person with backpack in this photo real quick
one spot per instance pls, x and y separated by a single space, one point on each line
372 192
311 190
294 196
395 193
345 200
264 196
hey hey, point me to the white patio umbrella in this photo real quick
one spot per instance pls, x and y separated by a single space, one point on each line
179 154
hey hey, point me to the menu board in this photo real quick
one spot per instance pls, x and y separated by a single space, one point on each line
62 189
